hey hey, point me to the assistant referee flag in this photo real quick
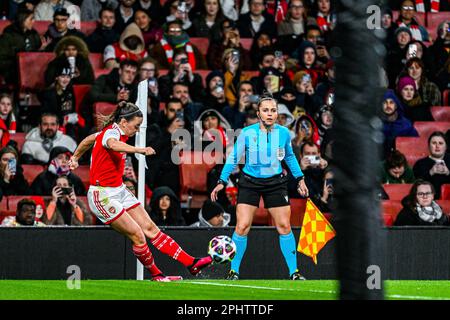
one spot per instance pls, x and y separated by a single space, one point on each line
316 231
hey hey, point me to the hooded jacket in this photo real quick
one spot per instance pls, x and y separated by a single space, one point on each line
82 62
119 51
174 216
315 135
202 222
39 151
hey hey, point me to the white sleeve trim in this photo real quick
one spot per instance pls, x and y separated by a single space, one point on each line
110 133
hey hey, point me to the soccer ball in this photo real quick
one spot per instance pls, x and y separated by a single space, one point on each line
222 249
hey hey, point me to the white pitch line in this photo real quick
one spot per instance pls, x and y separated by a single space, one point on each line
397 296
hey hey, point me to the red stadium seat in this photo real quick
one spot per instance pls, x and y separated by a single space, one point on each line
246 43
32 66
397 191
426 128
96 60
80 91
3 25
102 109
83 173
87 27
194 167
435 19
19 137
420 17
445 205
391 208
445 192
413 148
441 113
202 44
445 99
3 206
13 201
100 72
31 171
41 26
298 207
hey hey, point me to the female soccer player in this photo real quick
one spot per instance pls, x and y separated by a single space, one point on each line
113 204
265 144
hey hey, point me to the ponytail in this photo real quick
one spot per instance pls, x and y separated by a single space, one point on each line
125 110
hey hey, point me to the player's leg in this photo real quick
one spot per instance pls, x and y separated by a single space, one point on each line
165 243
244 218
281 217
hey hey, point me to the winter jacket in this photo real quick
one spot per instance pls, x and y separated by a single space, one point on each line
57 36
174 216
202 222
35 151
105 88
206 136
200 29
90 9
409 217
407 176
246 29
65 215
18 185
98 40
45 9
422 170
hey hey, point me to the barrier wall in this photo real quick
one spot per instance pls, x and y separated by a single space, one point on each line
101 253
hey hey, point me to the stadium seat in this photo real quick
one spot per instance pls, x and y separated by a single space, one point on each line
32 66
413 148
80 91
102 109
3 206
194 167
298 207
19 137
445 192
13 201
420 17
83 173
397 191
99 72
202 44
436 18
445 99
87 27
3 25
96 60
445 205
246 43
390 208
41 26
31 171
426 128
441 113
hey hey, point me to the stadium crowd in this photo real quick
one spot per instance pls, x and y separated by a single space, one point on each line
206 63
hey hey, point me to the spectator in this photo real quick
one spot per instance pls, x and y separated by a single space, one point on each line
149 71
58 166
285 118
326 19
150 29
181 71
25 215
8 123
307 57
296 20
130 184
440 50
277 9
116 86
395 59
327 85
395 124
232 67
178 10
262 42
211 125
60 29
306 96
91 10
175 38
305 130
191 108
20 36
420 209
389 26
124 15
407 19
395 169
12 180
215 91
435 167
256 20
212 215
65 208
105 34
288 98
165 208
324 200
42 139
46 9
415 108
428 91
40 207
59 99
208 23
271 80
325 120
153 8
246 101
131 46
16 5
74 51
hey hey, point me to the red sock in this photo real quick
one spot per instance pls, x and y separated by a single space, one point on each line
144 255
168 246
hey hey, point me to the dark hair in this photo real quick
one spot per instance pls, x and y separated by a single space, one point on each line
219 15
312 27
396 159
245 82
437 134
10 97
418 61
49 114
8 149
310 144
151 60
132 42
125 110
22 15
266 96
24 202
126 179
173 100
410 200
110 9
128 62
63 177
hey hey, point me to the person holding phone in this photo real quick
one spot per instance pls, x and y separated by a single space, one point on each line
12 180
265 139
65 208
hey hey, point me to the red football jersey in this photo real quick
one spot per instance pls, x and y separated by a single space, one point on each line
107 166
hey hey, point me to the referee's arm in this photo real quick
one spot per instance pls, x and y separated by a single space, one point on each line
291 160
234 158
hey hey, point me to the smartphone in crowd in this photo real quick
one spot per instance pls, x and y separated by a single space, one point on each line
12 165
180 115
314 160
66 191
254 98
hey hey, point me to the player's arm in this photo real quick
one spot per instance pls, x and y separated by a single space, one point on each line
120 146
84 146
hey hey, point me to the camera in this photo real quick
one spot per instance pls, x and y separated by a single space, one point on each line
306 78
314 160
66 191
184 61
329 182
180 115
412 50
235 56
152 82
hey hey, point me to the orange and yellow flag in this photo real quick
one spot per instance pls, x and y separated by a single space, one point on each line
316 232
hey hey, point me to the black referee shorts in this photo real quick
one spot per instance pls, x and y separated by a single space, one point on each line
273 190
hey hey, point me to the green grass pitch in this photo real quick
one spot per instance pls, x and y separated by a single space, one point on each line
208 290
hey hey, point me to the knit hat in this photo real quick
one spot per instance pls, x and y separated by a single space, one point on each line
61 12
212 74
403 29
404 81
210 113
56 151
63 69
211 209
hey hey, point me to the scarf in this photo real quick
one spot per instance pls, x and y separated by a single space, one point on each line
414 28
429 214
178 42
57 169
324 22
11 118
420 6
